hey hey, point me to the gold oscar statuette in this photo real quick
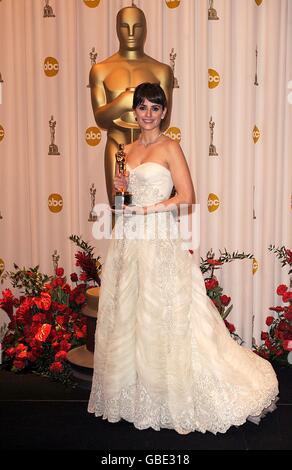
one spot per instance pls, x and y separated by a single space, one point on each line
122 197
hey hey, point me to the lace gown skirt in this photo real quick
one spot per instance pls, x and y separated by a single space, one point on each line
163 356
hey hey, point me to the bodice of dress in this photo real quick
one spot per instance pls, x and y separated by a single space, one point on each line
149 183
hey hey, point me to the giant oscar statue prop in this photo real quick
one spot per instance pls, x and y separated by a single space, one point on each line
113 82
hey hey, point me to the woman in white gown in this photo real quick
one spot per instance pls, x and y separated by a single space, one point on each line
163 356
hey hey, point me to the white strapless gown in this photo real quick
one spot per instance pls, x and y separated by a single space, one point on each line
163 356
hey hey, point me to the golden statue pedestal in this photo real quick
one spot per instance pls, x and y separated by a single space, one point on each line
81 358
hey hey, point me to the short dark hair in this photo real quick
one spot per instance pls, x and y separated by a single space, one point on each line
150 91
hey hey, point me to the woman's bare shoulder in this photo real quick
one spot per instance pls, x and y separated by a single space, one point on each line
171 144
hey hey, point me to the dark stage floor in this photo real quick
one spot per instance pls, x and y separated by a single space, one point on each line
39 414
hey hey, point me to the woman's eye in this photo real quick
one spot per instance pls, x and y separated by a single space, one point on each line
155 108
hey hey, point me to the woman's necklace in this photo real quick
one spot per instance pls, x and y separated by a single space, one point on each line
149 143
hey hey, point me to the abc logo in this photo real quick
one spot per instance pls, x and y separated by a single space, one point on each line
93 136
1 133
255 134
91 3
2 266
213 202
172 3
55 202
214 78
255 265
174 133
51 66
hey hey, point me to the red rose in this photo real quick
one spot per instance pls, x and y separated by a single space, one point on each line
60 307
277 309
22 355
288 315
64 345
60 356
56 367
287 345
264 335
31 357
44 301
18 364
264 354
80 299
20 347
269 320
211 283
59 272
39 317
279 335
83 277
73 277
60 319
230 326
214 261
79 334
287 296
268 343
281 289
225 300
282 325
10 352
66 288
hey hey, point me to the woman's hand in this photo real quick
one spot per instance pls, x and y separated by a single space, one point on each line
121 181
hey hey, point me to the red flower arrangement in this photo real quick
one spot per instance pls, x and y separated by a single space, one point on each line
46 319
277 341
214 290
43 327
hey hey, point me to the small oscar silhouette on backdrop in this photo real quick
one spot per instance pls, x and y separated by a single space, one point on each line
212 148
256 83
53 148
212 13
92 214
122 197
92 56
55 258
172 57
48 10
